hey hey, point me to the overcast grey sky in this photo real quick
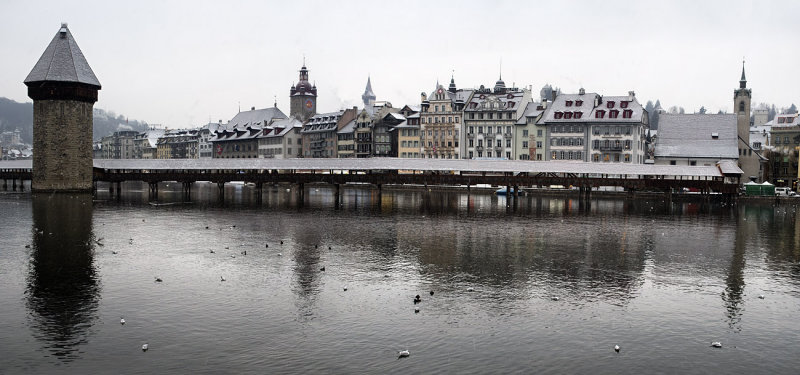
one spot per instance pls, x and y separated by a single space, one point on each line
183 63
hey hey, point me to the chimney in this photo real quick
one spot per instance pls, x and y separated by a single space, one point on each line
631 94
252 108
581 91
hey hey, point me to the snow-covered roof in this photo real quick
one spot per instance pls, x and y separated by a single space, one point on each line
62 61
697 136
253 118
348 128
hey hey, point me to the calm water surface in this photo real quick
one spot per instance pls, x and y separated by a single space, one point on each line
554 284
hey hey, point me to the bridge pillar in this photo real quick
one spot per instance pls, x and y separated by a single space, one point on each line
336 194
153 189
186 189
380 193
13 184
5 184
301 195
119 190
259 192
221 191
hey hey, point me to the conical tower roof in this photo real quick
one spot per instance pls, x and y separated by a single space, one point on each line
62 61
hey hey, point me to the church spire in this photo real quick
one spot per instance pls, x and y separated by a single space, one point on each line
743 80
368 97
452 87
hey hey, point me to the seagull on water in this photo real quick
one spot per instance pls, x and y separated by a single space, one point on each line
470 289
122 321
431 292
416 309
158 279
345 289
222 278
616 348
761 296
555 298
403 353
716 344
144 347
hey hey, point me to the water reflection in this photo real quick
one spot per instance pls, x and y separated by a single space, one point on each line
62 287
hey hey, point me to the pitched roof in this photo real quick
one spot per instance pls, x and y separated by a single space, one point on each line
252 118
62 61
692 136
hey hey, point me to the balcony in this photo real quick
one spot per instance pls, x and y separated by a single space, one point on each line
611 148
479 148
498 149
470 135
507 135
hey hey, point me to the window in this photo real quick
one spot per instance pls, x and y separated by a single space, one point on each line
578 103
568 115
627 113
491 115
578 114
525 133
508 143
628 158
553 155
693 162
436 108
456 119
777 140
623 104
539 133
628 130
524 144
741 106
568 103
471 129
596 157
610 104
539 144
613 113
499 143
600 114
672 162
558 115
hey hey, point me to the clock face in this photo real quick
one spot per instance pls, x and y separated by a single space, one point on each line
309 103
440 91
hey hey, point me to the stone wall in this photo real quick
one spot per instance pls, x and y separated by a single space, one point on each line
62 145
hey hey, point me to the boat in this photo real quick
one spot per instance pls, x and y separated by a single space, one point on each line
503 191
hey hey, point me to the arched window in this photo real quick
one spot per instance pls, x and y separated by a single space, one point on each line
741 106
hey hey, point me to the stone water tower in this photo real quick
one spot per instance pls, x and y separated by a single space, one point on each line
64 90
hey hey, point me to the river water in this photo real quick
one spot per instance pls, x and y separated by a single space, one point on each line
538 285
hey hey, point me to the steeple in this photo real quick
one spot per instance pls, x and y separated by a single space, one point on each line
62 61
368 97
743 81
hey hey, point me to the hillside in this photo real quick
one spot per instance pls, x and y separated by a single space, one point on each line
14 115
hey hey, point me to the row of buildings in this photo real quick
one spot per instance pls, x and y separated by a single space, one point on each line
480 123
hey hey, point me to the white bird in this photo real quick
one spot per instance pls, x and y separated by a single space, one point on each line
616 348
222 278
280 254
144 347
345 289
211 251
470 289
416 309
114 252
716 344
122 321
403 353
555 298
761 296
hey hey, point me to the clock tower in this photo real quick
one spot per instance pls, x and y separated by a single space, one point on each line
303 97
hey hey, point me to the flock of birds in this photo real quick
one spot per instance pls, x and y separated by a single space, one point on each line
417 299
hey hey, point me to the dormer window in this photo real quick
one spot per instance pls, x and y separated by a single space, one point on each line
578 114
627 113
600 114
568 103
613 113
558 115
610 104
623 104
568 115
578 103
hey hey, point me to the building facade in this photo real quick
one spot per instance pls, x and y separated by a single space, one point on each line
783 155
320 133
441 122
238 139
490 117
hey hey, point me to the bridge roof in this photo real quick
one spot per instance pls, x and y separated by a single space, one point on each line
440 165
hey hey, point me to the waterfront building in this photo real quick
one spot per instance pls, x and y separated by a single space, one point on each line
320 133
281 139
382 144
10 138
345 140
441 121
406 135
238 139
590 127
783 155
366 122
527 145
145 143
303 97
119 145
696 139
205 148
490 117
178 144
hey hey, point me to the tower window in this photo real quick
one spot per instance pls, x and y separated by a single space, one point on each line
741 106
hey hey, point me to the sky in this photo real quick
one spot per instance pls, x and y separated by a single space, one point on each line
186 63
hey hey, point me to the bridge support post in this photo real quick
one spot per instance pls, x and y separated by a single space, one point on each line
301 194
153 187
221 191
13 184
509 195
119 190
380 193
5 184
336 196
186 188
21 185
259 192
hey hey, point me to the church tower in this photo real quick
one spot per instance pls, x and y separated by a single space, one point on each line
303 97
741 105
64 89
368 97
